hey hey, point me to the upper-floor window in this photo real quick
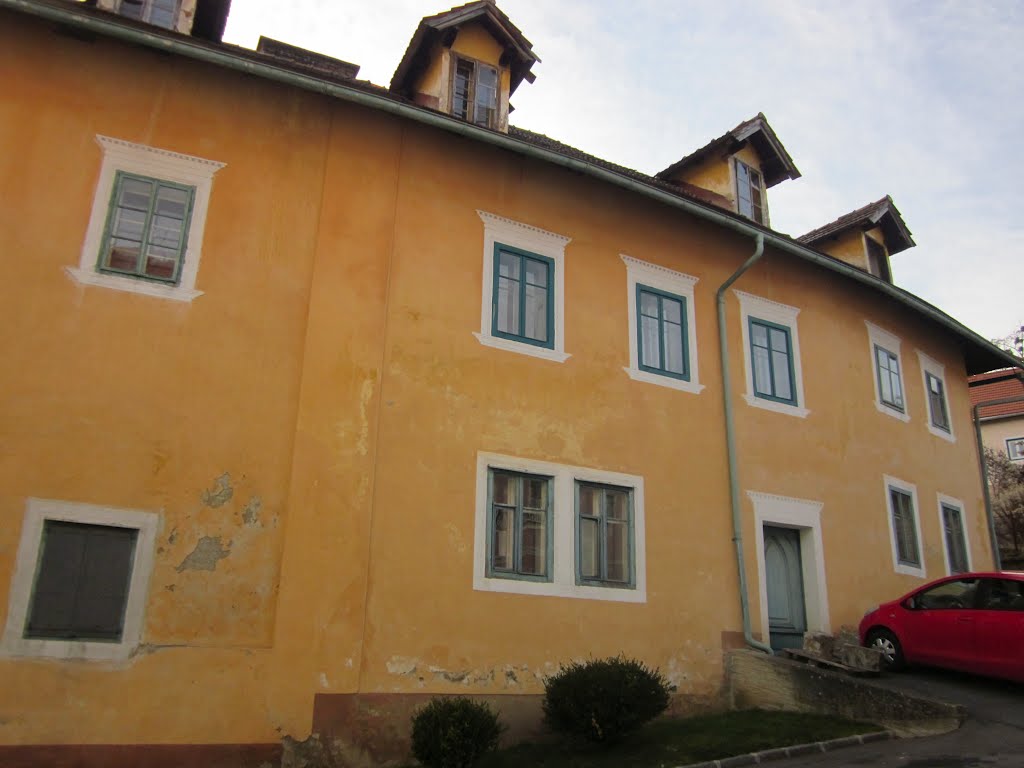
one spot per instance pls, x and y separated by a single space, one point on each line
954 534
1015 448
160 13
878 261
888 370
662 332
771 353
475 92
772 360
939 422
749 192
904 527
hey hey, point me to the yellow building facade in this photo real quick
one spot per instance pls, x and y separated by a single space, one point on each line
396 427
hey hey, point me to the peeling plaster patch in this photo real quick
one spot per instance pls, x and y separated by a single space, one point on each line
455 539
221 492
205 556
323 680
173 537
365 394
169 587
401 665
675 674
348 663
251 513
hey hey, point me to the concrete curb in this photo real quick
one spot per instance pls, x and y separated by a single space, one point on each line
768 755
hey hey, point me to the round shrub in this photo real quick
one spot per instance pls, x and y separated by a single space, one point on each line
454 732
602 699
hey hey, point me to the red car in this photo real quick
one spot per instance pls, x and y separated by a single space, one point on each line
973 622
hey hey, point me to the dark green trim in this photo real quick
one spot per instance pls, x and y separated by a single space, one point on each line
892 359
602 535
752 321
517 511
662 296
524 256
103 260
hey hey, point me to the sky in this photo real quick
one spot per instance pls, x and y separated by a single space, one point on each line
916 99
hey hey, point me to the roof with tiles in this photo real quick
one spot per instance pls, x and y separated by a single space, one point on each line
882 213
998 385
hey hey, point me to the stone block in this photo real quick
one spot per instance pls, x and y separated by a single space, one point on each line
858 657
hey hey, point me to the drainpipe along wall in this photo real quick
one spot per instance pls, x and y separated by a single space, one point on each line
997 561
730 442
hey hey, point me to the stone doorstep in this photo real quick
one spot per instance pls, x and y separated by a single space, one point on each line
779 753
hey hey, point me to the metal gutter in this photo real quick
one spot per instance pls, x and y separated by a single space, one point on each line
989 516
730 444
100 22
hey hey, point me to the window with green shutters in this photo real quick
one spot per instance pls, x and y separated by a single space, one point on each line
956 542
604 535
904 526
523 297
81 586
890 383
662 339
519 526
771 358
147 228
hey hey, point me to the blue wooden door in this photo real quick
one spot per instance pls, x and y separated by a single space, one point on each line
787 616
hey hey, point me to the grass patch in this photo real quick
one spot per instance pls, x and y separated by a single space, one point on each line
666 743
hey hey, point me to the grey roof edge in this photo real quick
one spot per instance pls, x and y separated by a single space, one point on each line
87 19
883 213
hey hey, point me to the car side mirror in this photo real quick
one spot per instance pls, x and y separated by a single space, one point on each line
910 604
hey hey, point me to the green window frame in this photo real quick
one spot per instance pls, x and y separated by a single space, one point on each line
956 542
771 361
889 379
605 540
523 298
146 231
662 342
938 411
904 525
749 192
519 526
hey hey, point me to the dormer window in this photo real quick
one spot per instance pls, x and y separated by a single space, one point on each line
159 13
878 260
475 92
749 193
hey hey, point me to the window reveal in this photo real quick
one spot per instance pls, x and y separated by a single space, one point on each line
475 93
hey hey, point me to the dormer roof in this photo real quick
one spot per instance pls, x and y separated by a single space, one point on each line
442 27
776 164
881 213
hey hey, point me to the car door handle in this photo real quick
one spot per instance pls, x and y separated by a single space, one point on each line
964 619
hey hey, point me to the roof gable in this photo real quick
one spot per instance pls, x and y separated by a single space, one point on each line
881 213
776 163
442 27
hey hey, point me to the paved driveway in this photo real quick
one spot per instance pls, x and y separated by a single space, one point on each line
992 736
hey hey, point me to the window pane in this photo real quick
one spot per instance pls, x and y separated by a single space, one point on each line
780 369
885 384
504 532
759 334
160 267
590 500
951 595
536 493
780 341
166 232
508 305
648 304
616 505
172 202
132 9
534 557
135 194
672 310
536 272
124 255
129 224
1003 595
536 313
649 351
674 348
762 371
617 551
503 486
590 549
460 95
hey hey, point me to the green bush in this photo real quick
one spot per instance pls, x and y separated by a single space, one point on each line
602 699
454 733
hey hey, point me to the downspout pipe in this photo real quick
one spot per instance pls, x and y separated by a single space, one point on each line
989 515
730 444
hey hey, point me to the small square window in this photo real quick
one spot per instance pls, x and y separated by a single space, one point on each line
604 535
749 193
523 296
519 541
771 357
475 92
1015 448
904 527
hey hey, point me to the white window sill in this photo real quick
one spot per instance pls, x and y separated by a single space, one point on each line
900 415
947 436
552 589
66 649
910 570
524 349
771 405
692 387
132 285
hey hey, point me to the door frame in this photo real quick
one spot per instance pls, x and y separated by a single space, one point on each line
804 516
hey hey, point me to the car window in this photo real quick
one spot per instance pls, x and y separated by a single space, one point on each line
1003 595
949 594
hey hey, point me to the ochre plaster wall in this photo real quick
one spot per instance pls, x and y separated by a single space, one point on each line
330 370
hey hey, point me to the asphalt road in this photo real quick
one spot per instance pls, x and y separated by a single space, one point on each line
992 736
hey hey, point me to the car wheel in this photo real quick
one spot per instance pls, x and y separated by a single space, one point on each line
892 652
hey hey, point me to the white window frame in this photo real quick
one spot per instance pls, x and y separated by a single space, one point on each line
499 230
162 164
949 501
804 516
911 490
781 314
890 343
37 512
938 370
1009 450
663 279
563 531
